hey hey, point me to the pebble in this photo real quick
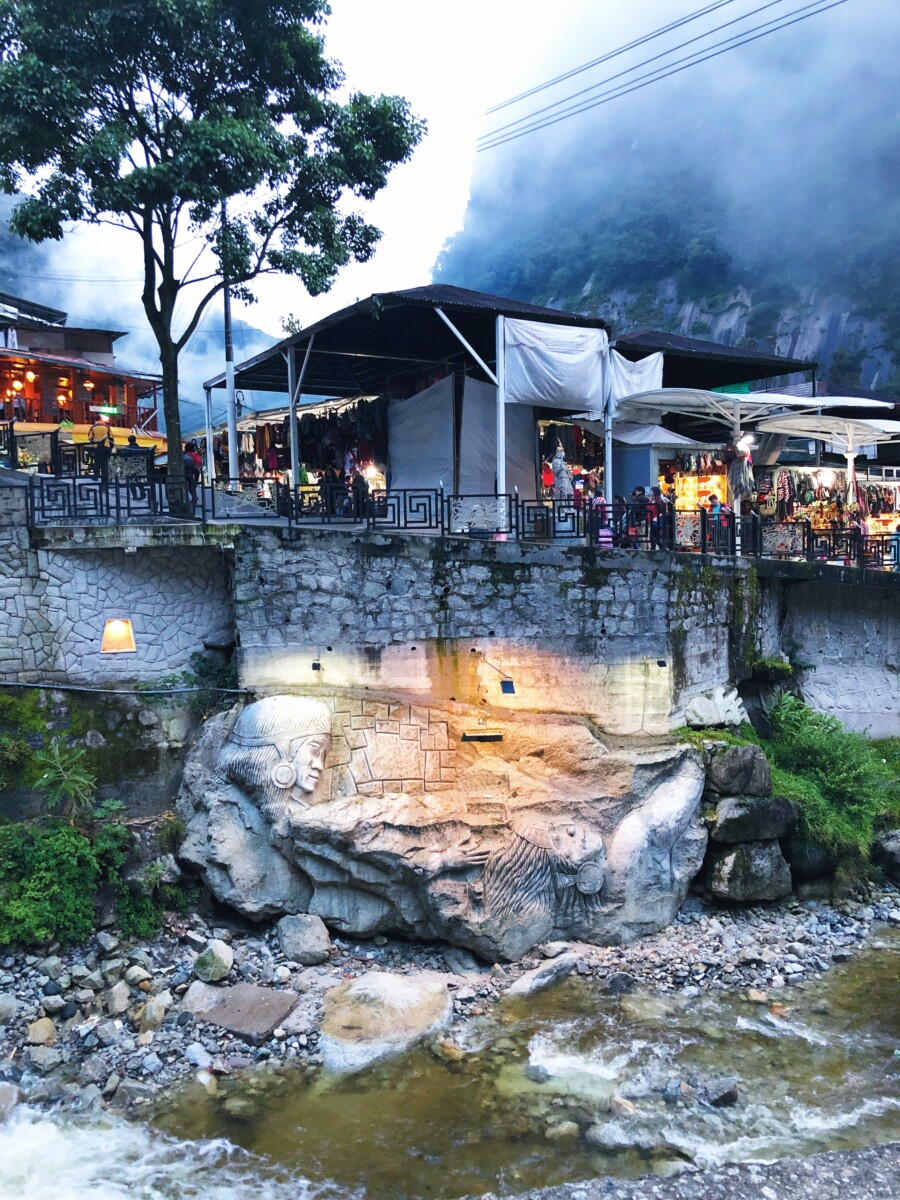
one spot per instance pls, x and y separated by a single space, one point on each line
160 1002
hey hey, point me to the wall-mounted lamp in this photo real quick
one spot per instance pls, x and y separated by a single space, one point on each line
118 637
30 376
482 733
89 385
507 687
316 665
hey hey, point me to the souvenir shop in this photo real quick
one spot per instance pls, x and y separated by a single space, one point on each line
582 449
819 495
341 436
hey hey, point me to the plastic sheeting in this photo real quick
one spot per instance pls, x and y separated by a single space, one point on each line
478 444
555 366
420 438
627 378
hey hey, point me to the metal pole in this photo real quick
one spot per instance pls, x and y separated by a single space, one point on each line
501 407
607 453
291 358
210 457
234 475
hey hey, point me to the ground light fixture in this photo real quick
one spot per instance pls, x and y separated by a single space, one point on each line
118 637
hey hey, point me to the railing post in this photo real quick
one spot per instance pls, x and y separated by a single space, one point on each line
704 530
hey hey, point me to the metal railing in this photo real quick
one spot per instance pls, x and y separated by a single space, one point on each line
90 500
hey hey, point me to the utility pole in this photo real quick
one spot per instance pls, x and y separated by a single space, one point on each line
234 477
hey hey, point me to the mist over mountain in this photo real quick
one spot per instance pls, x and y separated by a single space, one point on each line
753 199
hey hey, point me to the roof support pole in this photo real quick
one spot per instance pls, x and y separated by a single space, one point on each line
234 475
459 337
295 386
210 456
501 406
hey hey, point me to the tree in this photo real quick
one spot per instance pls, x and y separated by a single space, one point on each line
154 115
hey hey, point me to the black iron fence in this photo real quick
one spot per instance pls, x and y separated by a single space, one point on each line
111 497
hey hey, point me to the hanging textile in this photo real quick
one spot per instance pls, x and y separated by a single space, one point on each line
740 477
420 438
555 366
627 378
478 444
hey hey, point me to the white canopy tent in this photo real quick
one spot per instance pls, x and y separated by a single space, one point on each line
846 434
731 410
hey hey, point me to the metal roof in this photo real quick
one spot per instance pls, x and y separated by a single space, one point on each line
359 349
145 383
696 363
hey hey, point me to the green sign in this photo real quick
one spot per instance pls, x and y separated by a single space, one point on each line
107 410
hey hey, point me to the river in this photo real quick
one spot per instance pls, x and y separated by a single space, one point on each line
528 1105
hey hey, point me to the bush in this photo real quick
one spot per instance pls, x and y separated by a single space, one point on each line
48 879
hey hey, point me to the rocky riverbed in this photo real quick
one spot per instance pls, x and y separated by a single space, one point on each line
114 1024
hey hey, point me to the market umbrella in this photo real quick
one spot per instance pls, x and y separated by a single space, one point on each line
845 434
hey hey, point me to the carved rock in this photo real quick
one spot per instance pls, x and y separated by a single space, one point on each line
386 818
720 706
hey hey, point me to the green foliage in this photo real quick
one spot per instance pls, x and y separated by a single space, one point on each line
68 784
137 914
150 115
171 834
48 878
845 786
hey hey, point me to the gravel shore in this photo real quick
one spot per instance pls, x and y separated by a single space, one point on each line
111 1023
872 1174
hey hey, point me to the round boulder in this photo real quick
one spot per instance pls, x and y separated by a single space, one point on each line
304 939
752 819
215 962
748 872
738 771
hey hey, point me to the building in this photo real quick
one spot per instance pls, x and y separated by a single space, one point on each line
53 373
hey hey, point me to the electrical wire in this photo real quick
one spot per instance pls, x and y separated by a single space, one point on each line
595 62
656 76
636 67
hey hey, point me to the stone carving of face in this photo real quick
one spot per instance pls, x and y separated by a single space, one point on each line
277 752
309 762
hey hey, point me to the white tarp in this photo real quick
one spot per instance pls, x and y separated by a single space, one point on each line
478 444
628 378
420 438
555 366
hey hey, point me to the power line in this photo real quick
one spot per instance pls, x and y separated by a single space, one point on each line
655 76
595 62
636 67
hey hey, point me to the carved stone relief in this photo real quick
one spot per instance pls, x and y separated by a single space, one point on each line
385 820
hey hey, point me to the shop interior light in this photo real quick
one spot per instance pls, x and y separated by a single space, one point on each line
30 376
118 636
826 477
62 399
18 384
89 385
63 381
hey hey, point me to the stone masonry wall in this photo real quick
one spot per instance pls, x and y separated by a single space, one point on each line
625 639
850 638
56 600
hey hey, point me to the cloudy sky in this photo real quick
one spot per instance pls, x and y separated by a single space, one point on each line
451 62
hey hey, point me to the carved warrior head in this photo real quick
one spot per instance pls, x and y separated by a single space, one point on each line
555 866
276 751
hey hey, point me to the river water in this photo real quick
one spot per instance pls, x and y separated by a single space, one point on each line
818 1070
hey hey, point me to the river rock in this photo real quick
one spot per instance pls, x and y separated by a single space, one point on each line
304 939
43 1059
9 1098
154 1012
748 872
738 771
886 852
200 998
9 1007
118 998
542 976
379 1015
722 1093
752 819
548 836
807 860
41 1032
215 962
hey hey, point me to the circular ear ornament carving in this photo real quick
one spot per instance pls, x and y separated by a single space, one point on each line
589 879
283 775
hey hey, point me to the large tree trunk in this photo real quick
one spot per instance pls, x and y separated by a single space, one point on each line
176 487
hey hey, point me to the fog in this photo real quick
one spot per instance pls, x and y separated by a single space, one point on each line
774 167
